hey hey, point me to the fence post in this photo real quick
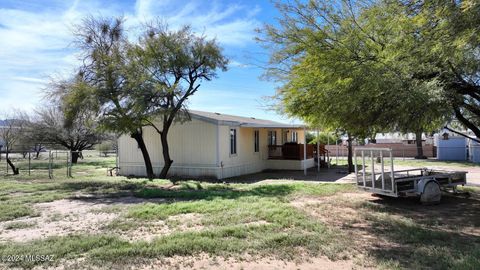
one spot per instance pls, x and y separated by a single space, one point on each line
67 164
336 158
50 159
116 162
70 164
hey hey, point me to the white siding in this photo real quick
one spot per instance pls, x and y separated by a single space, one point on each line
196 151
246 161
278 164
192 148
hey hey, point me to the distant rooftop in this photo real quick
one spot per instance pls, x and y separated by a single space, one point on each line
233 120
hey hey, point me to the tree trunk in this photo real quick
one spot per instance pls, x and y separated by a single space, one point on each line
146 157
462 134
10 163
74 158
418 140
350 155
166 155
37 154
467 123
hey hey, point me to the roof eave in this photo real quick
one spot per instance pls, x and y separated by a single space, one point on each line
272 126
236 123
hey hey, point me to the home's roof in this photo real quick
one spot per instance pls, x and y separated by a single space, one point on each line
233 120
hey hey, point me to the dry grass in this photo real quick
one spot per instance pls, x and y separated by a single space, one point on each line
112 222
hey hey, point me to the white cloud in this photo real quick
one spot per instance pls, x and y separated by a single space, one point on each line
229 24
237 64
37 44
29 80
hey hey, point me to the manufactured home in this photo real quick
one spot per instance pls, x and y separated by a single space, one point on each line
215 145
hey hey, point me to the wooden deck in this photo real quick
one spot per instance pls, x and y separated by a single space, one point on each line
291 151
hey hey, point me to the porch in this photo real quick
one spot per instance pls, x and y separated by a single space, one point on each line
290 151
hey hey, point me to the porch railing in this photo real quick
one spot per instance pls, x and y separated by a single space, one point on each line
289 151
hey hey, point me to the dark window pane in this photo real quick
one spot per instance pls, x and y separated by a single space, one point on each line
233 141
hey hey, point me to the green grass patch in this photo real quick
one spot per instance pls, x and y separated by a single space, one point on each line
19 225
10 211
197 191
231 220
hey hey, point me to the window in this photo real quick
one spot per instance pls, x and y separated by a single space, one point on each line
256 140
285 136
233 141
272 137
294 136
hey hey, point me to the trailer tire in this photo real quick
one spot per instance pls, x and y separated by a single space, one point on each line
431 193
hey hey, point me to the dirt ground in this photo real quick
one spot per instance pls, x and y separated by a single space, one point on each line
340 174
205 261
379 227
367 220
90 216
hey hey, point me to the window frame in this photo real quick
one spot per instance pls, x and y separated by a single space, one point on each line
294 136
272 137
233 141
256 141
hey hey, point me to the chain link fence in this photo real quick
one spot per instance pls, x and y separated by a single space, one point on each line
49 163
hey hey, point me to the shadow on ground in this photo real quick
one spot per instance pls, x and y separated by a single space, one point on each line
403 233
333 174
143 192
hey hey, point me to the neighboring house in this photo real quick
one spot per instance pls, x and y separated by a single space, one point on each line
215 145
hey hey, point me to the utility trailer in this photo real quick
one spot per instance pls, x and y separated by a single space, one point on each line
381 178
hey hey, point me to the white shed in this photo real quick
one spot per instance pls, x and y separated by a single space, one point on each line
214 145
474 151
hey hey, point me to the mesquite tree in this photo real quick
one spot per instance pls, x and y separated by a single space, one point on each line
132 85
11 132
33 139
78 135
108 83
174 64
348 65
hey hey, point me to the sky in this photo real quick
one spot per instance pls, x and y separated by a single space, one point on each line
36 44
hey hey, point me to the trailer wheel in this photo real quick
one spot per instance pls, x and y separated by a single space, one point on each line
431 193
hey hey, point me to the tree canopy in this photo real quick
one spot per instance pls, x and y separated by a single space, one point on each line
80 134
133 84
370 66
174 63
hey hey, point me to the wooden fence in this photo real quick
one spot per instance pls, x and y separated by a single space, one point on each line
398 149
